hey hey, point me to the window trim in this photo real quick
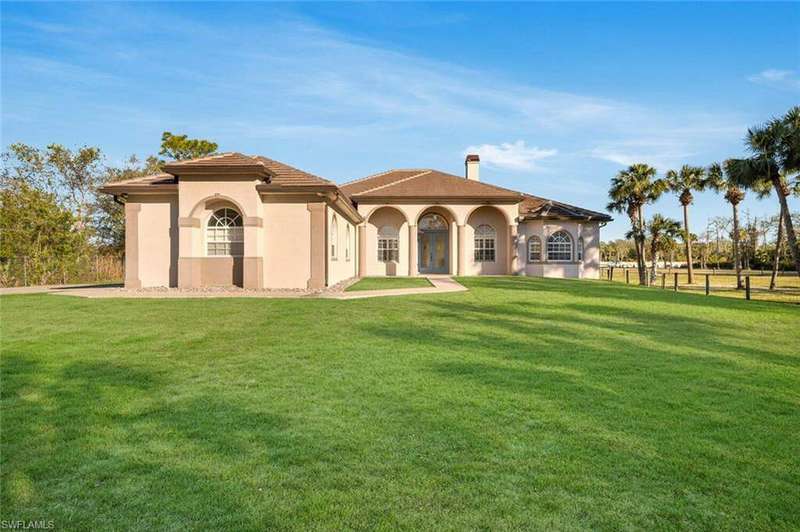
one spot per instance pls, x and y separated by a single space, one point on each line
569 242
390 250
234 231
481 251
334 238
531 240
579 251
347 243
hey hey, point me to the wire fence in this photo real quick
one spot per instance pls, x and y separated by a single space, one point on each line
38 271
755 283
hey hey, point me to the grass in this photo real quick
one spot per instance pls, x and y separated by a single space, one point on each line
388 283
523 403
724 284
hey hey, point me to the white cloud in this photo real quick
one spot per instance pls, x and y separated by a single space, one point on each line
511 155
780 79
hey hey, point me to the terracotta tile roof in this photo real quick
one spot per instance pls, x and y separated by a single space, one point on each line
533 207
424 183
226 159
285 175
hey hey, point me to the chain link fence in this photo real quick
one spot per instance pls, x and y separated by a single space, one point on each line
39 271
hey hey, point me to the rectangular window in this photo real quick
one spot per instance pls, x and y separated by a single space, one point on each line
484 250
388 250
559 251
534 250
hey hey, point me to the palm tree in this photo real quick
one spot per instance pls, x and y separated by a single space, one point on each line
662 238
720 180
683 183
776 154
630 190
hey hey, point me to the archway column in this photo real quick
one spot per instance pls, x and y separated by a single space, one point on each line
462 250
362 250
513 252
412 250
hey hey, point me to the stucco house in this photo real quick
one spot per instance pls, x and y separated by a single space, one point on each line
232 219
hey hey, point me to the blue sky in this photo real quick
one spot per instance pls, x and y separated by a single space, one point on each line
555 97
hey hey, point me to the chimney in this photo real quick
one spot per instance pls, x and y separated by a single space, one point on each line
473 166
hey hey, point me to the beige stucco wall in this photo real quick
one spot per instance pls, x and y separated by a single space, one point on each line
392 217
493 217
287 245
156 252
588 268
345 264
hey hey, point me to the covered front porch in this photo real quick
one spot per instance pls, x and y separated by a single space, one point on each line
411 240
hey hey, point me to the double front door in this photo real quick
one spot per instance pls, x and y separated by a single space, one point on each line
434 252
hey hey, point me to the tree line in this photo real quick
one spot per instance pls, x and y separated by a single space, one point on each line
51 215
773 165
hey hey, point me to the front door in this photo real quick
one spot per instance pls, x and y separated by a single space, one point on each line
434 252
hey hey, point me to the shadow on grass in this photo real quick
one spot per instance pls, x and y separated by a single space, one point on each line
110 442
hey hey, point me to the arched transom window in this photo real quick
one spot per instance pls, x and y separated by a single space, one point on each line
225 234
334 238
559 247
534 249
485 239
432 222
580 248
388 247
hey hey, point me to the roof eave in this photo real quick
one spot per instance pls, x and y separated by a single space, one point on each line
168 188
440 199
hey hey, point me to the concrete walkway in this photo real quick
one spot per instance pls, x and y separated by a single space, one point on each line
441 284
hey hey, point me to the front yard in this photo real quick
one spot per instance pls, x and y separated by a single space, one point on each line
523 403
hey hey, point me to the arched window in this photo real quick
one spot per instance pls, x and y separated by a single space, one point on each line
388 248
580 248
534 249
485 237
347 244
432 222
559 247
334 238
225 234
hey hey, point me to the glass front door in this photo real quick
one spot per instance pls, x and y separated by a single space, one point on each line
434 252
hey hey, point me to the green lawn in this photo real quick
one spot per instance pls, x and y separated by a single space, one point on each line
523 403
388 283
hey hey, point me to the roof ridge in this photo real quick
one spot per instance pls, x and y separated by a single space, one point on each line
403 180
259 158
358 180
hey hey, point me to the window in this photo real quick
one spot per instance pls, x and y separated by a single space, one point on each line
559 247
388 249
485 237
580 248
225 234
334 239
534 249
347 245
433 222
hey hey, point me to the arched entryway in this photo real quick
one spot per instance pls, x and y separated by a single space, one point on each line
433 243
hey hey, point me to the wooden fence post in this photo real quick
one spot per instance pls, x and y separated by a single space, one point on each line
663 280
627 276
747 287
707 285
675 287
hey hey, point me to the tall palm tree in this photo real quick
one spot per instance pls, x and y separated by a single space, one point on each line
683 182
630 190
721 180
662 233
776 154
